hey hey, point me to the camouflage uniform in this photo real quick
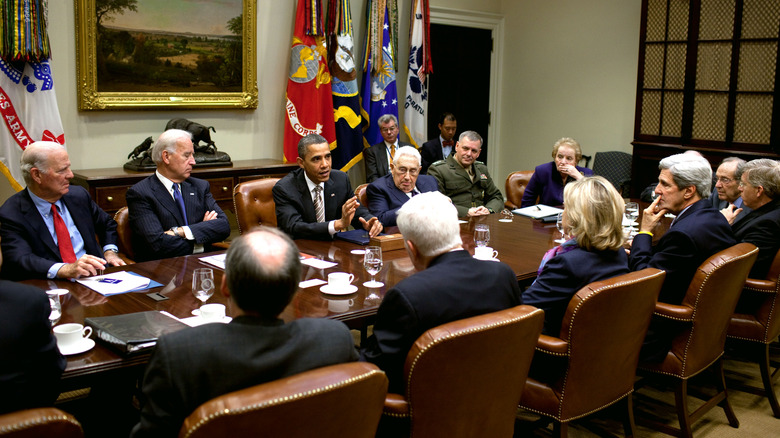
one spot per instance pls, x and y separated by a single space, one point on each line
455 182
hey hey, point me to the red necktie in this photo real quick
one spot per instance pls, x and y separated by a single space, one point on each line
63 237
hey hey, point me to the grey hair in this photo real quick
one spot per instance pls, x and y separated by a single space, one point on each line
431 222
386 118
740 165
689 170
407 151
36 155
167 142
262 272
308 140
765 173
471 135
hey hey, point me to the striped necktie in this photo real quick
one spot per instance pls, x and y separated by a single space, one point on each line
319 209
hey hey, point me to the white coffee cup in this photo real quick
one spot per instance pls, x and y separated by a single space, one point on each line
71 334
485 253
213 312
338 306
340 280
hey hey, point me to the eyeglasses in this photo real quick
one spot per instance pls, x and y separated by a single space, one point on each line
724 180
403 170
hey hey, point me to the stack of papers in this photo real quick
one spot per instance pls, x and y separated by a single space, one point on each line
115 283
537 211
215 260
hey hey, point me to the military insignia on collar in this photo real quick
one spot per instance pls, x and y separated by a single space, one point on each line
482 176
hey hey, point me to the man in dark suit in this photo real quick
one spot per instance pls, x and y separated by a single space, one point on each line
387 194
449 286
440 147
760 190
171 213
697 232
726 196
378 157
31 221
192 366
315 201
32 364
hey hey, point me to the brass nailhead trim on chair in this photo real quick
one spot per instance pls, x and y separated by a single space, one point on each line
37 421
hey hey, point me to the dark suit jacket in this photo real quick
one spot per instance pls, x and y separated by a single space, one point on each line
564 275
375 158
717 204
547 184
192 366
28 248
761 228
295 211
31 364
453 287
696 234
431 152
153 212
384 198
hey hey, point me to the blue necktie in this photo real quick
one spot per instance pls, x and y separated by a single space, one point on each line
180 201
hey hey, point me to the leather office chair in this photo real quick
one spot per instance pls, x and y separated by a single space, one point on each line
343 401
615 166
602 332
464 378
254 204
34 423
360 192
124 235
756 324
705 311
515 187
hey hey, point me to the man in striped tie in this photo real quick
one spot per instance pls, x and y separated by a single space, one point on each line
48 229
315 201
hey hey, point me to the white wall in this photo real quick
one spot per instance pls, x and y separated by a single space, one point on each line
569 69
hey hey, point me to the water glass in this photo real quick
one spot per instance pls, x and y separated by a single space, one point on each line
481 234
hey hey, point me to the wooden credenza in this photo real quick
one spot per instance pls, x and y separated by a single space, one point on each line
108 186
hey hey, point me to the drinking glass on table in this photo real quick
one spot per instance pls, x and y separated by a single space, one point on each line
481 234
632 214
372 262
202 285
56 307
559 226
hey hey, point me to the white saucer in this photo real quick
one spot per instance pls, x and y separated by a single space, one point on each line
358 251
487 260
326 289
505 220
80 347
194 321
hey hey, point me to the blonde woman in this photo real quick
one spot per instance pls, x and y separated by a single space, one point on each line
593 213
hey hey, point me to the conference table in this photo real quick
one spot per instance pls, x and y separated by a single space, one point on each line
520 243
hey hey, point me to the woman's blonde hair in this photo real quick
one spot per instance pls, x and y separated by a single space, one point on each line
570 142
594 213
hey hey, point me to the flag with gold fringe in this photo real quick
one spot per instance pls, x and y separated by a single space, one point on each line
346 101
380 93
309 106
420 65
28 104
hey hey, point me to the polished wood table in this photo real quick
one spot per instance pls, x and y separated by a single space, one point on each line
520 244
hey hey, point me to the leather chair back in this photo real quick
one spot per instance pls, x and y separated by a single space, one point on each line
464 378
758 320
41 422
360 192
343 401
615 166
604 326
515 187
124 234
254 203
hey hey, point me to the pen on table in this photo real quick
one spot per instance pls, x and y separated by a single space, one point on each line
538 208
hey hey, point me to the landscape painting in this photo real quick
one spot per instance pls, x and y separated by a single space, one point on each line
196 53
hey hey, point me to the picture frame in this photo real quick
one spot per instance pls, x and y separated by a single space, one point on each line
163 69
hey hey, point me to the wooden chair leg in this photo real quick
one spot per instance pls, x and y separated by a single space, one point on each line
720 382
766 376
560 429
629 427
681 399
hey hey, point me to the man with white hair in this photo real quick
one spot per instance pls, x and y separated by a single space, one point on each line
449 286
697 232
388 193
48 230
171 213
379 156
726 195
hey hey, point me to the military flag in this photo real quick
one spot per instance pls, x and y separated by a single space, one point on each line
380 95
346 101
28 105
309 106
420 65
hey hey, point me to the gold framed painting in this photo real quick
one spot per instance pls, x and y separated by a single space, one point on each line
166 54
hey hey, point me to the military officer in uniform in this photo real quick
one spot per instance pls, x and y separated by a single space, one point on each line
467 181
